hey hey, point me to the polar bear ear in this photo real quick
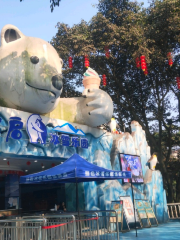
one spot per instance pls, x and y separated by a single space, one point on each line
9 34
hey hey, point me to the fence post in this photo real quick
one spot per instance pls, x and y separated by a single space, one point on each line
44 230
74 227
40 233
97 225
117 225
168 211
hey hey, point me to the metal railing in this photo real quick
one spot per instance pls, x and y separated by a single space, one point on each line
87 225
21 229
63 227
106 228
173 210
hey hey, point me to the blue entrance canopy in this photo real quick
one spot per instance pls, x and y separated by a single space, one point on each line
75 169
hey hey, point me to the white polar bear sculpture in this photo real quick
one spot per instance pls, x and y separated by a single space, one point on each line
31 80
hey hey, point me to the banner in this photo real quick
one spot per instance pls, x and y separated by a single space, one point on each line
38 132
118 207
129 209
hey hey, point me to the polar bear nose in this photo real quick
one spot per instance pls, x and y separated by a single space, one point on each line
34 59
57 81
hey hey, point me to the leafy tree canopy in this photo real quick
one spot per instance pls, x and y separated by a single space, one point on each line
53 4
130 31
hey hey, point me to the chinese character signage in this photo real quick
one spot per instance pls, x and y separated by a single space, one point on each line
38 134
15 125
129 209
107 174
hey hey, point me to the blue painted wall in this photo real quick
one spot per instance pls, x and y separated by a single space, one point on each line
104 152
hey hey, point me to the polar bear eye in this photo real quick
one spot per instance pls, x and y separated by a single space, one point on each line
34 59
11 35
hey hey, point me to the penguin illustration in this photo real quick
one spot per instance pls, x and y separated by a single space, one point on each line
153 161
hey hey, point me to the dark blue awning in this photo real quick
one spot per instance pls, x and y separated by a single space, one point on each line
75 169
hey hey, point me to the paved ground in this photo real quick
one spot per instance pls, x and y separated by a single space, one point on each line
167 231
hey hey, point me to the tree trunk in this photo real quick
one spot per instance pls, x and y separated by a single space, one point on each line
170 192
178 190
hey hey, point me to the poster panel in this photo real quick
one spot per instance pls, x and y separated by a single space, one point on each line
132 163
140 208
148 208
118 207
129 209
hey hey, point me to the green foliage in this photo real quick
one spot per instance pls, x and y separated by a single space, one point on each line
130 31
53 4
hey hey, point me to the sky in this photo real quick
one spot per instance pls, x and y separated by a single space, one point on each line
34 17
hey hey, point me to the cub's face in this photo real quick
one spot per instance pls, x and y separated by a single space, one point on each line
30 72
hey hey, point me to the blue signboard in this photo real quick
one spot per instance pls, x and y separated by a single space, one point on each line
15 125
109 174
37 132
36 129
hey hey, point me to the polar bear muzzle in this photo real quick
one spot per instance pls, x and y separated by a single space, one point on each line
57 81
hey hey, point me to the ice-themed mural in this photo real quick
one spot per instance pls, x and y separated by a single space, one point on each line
104 150
33 116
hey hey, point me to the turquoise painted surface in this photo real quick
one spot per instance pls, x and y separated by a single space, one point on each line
166 231
104 152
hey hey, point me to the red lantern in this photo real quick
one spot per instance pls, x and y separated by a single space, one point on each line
138 63
53 165
143 63
170 61
70 62
28 163
86 61
169 55
107 53
146 72
143 67
142 57
1 171
8 163
104 80
178 82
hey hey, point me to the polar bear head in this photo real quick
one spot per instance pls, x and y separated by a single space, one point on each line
30 72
